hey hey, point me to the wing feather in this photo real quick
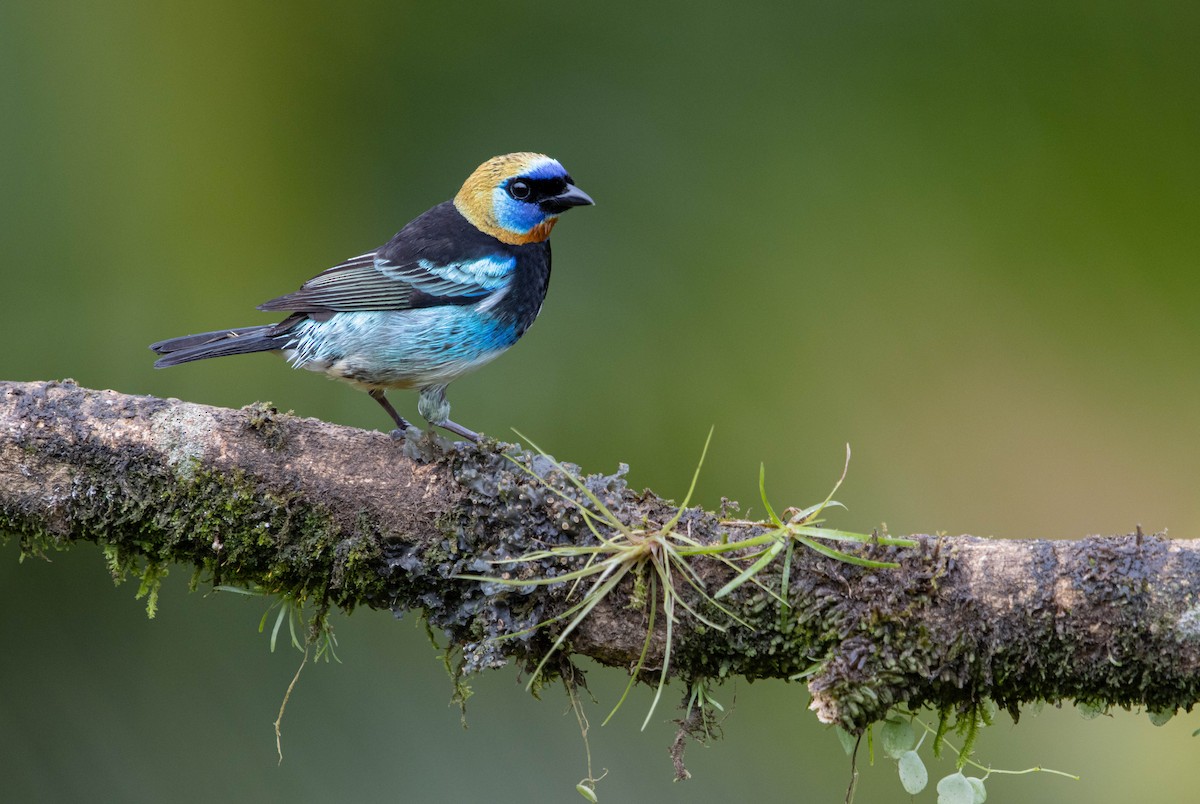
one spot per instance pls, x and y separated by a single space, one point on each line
372 282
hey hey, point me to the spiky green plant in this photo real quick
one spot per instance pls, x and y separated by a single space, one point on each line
803 526
656 557
291 609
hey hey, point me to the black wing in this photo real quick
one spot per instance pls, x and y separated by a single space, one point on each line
432 261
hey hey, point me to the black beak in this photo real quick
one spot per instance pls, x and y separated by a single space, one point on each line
570 197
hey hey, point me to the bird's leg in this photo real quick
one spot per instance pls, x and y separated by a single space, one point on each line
432 405
401 423
458 429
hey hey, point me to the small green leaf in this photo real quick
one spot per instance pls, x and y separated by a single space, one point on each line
586 792
278 622
239 590
847 740
1159 717
808 671
980 790
897 736
913 776
1089 710
955 789
990 710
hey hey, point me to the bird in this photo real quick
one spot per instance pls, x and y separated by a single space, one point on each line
451 291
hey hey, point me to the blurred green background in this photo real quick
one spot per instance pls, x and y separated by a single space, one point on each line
961 237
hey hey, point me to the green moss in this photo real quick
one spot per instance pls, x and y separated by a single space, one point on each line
224 524
152 577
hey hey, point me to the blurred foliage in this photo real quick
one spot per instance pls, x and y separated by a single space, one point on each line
961 237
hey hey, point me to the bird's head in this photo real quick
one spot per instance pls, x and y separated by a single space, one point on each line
517 198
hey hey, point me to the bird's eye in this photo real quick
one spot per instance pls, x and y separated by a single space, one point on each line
519 190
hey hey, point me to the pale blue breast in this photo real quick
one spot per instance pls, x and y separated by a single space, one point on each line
401 348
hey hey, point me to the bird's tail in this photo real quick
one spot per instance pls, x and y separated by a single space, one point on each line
243 340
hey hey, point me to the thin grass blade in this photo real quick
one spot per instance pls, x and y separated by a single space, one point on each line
762 492
283 609
669 613
641 662
692 488
835 535
610 518
751 571
587 604
846 557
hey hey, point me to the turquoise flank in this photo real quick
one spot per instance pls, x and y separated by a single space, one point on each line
400 348
517 216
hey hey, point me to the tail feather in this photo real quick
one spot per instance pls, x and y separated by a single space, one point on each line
242 340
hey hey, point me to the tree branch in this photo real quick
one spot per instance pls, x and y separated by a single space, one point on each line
347 517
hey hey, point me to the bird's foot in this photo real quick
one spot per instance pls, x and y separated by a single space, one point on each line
408 431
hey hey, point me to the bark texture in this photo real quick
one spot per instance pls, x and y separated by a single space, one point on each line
346 517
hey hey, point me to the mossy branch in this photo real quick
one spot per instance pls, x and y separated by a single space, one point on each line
346 517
